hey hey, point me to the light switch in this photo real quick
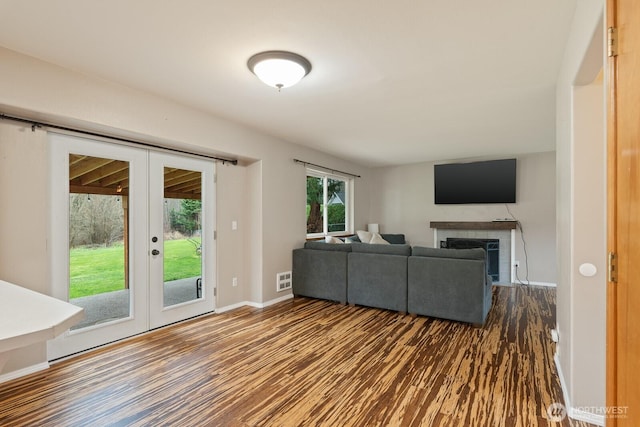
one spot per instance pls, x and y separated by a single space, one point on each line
234 225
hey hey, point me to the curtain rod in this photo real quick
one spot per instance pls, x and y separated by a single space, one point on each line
34 124
326 168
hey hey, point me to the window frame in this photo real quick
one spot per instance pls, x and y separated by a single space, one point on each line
348 209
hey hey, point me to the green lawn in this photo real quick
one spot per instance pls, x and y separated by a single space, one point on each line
97 270
181 260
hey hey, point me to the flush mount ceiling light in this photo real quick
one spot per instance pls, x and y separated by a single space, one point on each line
278 68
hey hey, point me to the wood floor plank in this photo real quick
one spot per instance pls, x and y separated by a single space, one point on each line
309 362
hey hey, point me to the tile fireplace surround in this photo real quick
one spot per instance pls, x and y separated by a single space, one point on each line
504 231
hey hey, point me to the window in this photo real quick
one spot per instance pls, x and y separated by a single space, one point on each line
328 204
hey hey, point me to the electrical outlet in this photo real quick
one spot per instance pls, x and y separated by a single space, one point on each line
234 281
516 264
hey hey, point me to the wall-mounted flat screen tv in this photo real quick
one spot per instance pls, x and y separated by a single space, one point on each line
491 181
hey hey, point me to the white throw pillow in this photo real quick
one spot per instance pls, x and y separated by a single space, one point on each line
378 240
331 239
364 236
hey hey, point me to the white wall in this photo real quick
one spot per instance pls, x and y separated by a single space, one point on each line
253 238
24 204
232 206
266 195
403 202
581 220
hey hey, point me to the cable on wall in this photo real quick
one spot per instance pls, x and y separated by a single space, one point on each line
35 124
326 168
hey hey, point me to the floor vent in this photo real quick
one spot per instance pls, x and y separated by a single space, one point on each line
283 281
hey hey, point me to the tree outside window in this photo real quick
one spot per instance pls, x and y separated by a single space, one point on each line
315 197
327 204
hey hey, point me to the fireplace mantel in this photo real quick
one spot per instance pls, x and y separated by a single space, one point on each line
474 225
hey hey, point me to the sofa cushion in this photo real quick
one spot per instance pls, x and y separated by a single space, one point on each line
322 246
448 288
364 236
376 239
404 250
320 274
377 280
331 239
476 253
394 239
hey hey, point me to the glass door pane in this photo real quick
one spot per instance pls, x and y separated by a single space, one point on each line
182 231
98 238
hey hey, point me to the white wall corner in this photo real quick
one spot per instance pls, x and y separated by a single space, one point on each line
270 302
578 414
226 308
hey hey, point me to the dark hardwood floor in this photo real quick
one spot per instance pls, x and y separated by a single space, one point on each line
308 362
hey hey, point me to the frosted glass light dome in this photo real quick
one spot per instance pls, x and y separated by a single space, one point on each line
279 69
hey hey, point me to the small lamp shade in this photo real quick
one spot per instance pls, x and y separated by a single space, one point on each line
373 228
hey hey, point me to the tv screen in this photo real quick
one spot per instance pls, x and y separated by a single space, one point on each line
491 181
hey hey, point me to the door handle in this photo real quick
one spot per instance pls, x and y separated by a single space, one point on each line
155 252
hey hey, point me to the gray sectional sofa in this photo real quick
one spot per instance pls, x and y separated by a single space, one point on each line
446 283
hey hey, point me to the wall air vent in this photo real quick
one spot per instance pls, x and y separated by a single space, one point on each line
283 281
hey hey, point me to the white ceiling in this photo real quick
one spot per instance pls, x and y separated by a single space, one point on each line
393 82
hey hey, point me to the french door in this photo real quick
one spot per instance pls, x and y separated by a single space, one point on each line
132 239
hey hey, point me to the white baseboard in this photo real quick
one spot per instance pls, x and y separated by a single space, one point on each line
575 413
253 304
529 283
532 283
270 302
580 415
547 284
565 392
24 371
230 307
